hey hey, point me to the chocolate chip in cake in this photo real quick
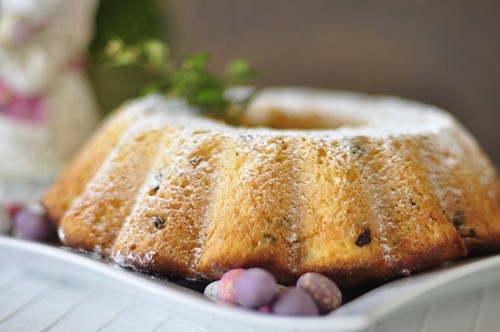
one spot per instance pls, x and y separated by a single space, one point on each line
195 161
355 147
270 238
158 222
247 137
459 223
154 190
357 150
412 202
155 183
364 238
458 220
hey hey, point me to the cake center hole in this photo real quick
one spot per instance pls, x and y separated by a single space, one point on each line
278 118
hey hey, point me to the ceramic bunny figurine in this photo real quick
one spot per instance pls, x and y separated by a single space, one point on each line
46 104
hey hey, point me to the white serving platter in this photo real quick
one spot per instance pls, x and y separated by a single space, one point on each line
48 288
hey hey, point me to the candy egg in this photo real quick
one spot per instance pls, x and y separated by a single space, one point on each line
324 292
33 226
255 287
212 290
226 286
294 302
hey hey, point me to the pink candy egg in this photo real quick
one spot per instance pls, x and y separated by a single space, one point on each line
226 285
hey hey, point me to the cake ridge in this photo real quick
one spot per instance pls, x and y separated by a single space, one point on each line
117 256
101 208
355 159
411 180
255 184
184 158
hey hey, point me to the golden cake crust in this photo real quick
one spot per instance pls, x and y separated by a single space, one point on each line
162 190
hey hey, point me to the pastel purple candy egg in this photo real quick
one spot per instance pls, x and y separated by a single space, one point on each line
33 226
226 286
294 302
324 291
255 287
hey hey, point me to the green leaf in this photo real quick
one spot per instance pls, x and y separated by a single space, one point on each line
195 62
189 79
156 86
239 72
156 53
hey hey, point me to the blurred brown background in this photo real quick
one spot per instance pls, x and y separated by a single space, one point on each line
443 52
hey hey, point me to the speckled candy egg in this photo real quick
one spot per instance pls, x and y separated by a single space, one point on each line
324 292
294 302
255 287
226 286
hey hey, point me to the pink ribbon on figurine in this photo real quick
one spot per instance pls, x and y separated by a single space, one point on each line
25 108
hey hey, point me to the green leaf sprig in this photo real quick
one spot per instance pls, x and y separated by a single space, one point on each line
189 78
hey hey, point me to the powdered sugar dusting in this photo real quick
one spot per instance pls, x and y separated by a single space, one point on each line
60 234
362 115
131 260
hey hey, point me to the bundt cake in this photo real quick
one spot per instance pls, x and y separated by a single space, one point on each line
355 187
